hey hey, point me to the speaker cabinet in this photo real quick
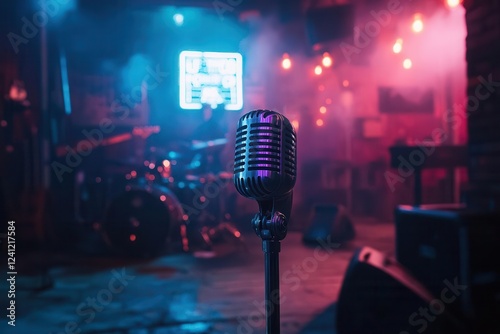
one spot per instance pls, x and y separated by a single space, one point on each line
379 296
330 222
439 243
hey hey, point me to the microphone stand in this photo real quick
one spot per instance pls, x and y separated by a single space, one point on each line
271 227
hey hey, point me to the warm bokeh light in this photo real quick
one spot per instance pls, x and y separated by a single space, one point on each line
328 101
453 3
295 124
322 109
286 62
163 198
398 46
327 61
407 64
318 70
319 122
345 83
132 237
417 25
321 88
166 163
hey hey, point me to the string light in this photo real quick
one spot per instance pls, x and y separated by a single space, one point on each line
407 64
318 70
418 25
327 61
286 63
398 46
453 3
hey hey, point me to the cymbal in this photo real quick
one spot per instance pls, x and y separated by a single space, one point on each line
201 145
163 153
138 131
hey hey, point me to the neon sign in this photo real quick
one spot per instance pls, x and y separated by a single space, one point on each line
212 78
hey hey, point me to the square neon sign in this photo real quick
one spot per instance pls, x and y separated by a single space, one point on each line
212 78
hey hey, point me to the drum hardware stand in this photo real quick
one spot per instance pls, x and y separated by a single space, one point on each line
208 233
184 237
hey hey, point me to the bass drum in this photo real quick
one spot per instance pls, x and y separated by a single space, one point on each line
139 221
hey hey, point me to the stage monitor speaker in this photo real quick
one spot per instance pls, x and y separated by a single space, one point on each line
329 23
379 297
329 223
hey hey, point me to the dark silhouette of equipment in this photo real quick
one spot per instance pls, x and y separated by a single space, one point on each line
139 220
265 170
331 23
442 156
329 223
449 242
378 296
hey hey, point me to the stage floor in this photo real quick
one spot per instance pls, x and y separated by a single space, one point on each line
181 293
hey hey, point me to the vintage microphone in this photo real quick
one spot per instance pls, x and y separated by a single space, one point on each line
265 169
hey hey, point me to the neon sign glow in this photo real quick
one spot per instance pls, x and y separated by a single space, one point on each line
210 78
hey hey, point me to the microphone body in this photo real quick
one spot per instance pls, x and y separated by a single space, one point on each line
265 169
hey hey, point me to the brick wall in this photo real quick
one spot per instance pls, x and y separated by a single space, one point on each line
483 109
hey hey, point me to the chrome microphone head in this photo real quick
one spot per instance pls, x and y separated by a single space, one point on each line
265 159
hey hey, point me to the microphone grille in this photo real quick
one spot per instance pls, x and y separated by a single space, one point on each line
290 151
265 154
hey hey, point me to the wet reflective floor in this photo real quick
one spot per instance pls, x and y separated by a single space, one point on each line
188 293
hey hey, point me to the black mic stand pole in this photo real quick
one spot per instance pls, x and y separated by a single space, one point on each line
272 228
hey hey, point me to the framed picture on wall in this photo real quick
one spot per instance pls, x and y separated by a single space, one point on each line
393 100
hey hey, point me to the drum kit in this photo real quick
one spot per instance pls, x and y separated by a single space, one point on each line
166 202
